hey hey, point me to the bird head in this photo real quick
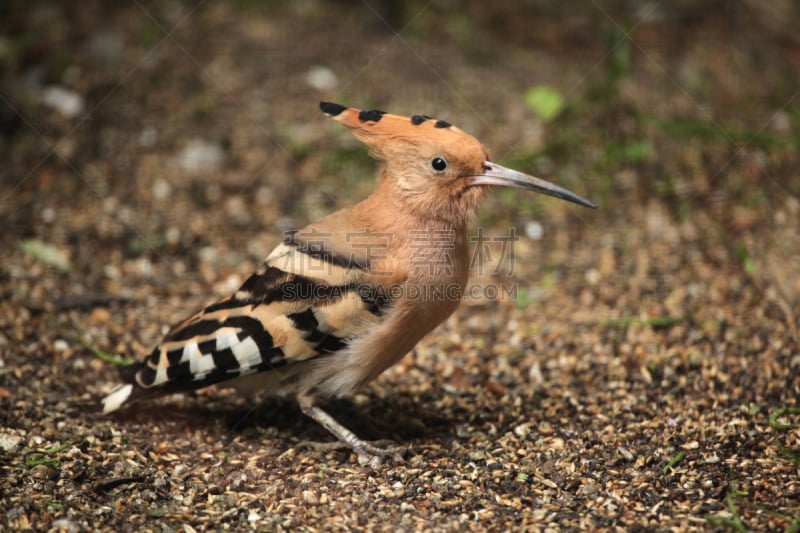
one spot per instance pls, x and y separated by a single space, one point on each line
434 167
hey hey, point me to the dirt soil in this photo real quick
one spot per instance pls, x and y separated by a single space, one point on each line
633 368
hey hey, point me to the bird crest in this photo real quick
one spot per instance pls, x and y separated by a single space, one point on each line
390 136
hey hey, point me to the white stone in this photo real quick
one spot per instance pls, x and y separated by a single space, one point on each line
321 78
66 102
8 442
534 230
199 155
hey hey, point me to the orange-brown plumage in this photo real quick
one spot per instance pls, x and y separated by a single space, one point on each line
343 299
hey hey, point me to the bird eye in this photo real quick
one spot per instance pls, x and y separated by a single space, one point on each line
438 164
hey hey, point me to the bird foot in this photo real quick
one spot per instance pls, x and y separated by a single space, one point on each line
368 453
371 453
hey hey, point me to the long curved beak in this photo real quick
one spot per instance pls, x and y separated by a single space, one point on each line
495 174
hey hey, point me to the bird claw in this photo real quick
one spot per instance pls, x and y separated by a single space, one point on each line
372 454
369 453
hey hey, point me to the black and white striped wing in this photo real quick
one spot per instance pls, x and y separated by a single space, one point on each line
277 318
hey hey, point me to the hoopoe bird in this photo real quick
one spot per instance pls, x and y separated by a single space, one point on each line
346 297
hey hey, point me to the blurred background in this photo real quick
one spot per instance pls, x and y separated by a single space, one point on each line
155 140
153 152
149 139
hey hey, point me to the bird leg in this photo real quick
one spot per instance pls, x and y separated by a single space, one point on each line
368 453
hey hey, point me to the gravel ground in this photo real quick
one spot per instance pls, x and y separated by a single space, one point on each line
638 370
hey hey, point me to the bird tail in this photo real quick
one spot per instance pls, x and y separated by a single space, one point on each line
116 398
122 394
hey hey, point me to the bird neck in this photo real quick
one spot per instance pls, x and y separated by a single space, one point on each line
431 250
393 209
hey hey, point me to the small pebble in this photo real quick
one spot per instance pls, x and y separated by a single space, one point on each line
9 442
60 345
624 452
321 78
534 230
201 155
65 101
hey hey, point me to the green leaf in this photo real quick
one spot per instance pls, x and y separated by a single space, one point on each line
638 151
781 412
545 102
39 459
46 253
105 356
748 265
673 462
656 322
786 452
